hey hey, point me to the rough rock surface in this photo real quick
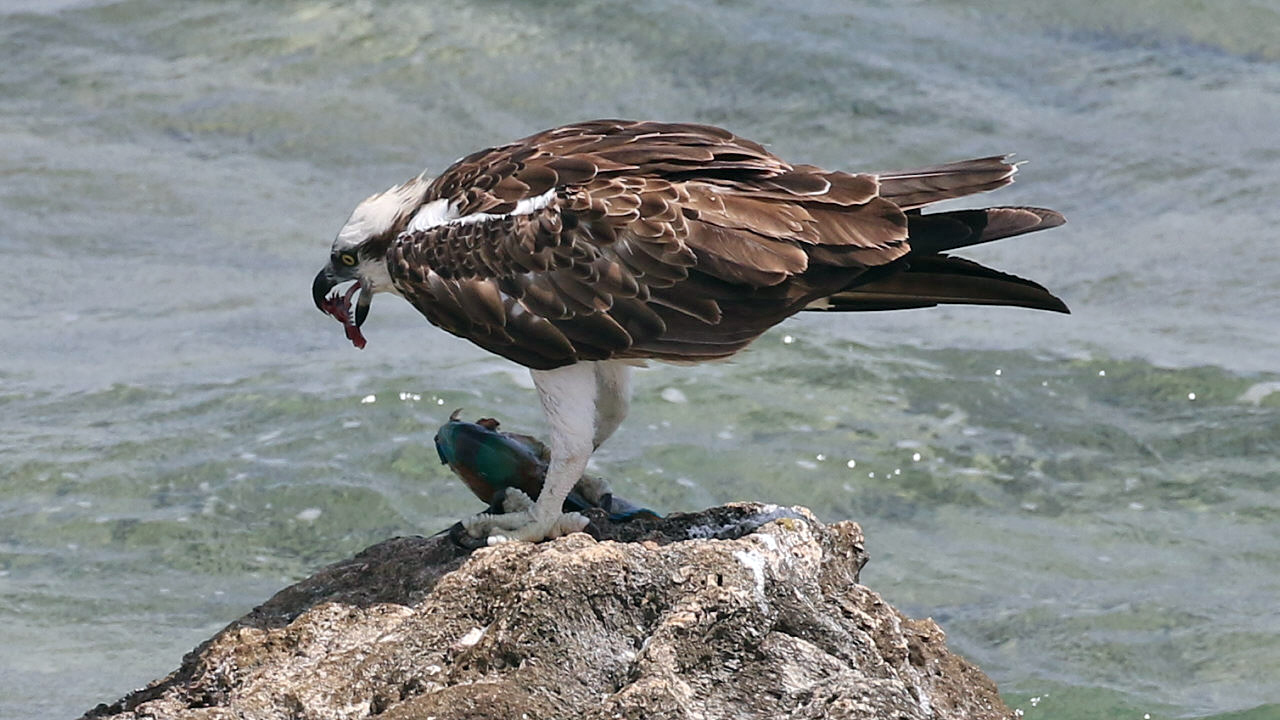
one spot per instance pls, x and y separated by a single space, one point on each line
740 611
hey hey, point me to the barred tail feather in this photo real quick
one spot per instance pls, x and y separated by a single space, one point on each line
913 189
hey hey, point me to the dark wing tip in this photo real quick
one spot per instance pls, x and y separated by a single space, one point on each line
1049 218
1054 304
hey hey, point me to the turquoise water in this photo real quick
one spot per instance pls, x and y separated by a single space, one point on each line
1088 504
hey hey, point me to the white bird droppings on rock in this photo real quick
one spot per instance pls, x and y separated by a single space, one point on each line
471 638
754 562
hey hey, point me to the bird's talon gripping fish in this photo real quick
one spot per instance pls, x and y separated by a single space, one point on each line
492 462
583 250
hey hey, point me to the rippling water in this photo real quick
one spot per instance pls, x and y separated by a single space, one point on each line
1088 504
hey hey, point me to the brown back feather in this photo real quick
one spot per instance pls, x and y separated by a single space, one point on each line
685 242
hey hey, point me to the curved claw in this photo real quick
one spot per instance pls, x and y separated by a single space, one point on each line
522 526
459 536
565 524
516 500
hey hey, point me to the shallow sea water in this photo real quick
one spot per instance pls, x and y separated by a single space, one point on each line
1088 504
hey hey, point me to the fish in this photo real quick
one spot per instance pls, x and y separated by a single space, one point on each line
490 461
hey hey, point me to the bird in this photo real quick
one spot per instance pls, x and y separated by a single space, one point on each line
585 250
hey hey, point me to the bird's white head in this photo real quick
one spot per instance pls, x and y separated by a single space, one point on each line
379 215
359 254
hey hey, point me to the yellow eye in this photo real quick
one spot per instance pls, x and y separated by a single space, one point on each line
347 259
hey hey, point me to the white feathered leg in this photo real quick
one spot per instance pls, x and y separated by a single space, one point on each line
568 397
613 400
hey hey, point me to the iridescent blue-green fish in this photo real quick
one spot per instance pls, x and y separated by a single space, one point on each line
492 464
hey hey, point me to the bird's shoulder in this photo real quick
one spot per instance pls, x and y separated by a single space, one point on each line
618 156
616 238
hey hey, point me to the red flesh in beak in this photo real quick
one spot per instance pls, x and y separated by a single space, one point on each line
339 306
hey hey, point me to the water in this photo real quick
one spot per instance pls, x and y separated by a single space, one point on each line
1088 504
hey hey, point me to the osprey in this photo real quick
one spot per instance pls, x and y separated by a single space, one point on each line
583 250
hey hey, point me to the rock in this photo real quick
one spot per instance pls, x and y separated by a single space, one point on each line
741 611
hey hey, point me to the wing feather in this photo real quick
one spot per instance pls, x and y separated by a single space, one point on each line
616 238
911 189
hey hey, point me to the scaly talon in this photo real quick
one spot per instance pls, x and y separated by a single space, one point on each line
534 531
522 525
516 501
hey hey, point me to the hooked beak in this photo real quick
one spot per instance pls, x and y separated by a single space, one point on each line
324 282
338 305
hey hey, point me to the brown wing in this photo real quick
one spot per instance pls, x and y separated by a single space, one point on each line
669 241
672 241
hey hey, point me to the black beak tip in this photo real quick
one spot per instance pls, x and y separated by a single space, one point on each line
320 288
